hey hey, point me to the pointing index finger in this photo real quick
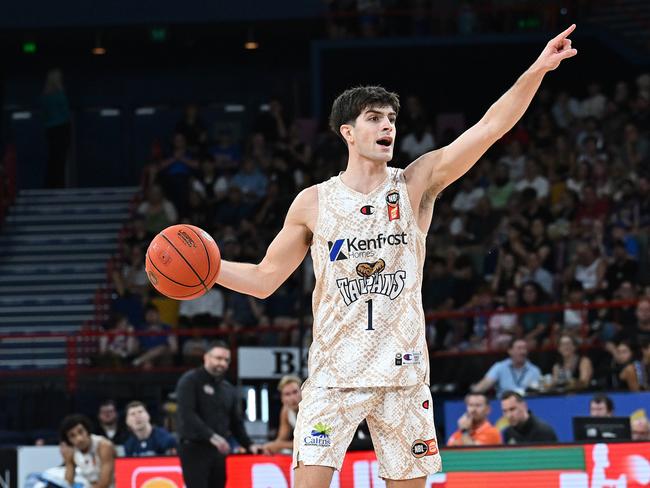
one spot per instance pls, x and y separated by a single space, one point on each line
564 34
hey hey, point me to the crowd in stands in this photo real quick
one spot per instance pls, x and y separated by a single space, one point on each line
557 212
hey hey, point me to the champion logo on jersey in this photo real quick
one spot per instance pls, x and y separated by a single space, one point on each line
367 210
425 404
335 250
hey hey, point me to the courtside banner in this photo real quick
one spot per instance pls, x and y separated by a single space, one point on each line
267 362
8 468
624 465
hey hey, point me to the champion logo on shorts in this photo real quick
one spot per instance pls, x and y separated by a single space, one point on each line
408 358
422 448
320 436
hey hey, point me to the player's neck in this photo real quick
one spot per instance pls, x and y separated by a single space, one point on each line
363 175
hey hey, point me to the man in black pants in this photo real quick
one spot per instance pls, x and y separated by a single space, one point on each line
209 414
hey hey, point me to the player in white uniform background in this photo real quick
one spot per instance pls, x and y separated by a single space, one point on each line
366 229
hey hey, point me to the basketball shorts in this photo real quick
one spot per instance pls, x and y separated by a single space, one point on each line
400 422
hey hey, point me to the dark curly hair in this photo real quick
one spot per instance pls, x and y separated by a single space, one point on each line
349 104
70 422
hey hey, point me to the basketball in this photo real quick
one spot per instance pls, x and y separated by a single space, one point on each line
183 262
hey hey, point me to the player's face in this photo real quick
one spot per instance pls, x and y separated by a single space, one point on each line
79 437
291 395
477 408
137 418
373 134
216 361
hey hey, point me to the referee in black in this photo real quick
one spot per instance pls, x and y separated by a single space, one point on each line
209 414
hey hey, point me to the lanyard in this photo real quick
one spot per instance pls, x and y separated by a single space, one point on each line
519 379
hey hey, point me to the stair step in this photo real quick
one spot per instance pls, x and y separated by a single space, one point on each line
96 209
55 258
33 363
52 268
9 311
65 218
39 299
56 238
45 319
122 190
39 328
114 227
74 278
59 249
65 198
23 289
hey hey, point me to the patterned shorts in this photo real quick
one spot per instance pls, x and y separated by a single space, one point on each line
400 422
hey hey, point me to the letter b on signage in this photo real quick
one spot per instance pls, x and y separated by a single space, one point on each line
285 363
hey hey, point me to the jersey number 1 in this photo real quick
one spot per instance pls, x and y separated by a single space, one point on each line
369 302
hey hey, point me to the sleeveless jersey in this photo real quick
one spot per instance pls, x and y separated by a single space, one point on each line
88 464
368 254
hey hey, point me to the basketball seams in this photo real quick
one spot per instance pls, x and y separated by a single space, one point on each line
170 279
207 254
217 267
184 259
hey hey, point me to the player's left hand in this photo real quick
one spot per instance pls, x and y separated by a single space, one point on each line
558 49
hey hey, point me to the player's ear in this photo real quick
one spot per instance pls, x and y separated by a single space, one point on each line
346 132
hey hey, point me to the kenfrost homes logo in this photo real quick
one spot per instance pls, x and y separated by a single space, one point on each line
320 436
363 248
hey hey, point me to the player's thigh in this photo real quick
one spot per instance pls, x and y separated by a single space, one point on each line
327 419
412 483
312 476
404 435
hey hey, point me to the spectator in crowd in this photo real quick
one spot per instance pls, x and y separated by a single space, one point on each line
209 414
204 311
474 429
468 195
535 325
533 179
533 271
234 209
108 423
131 279
503 325
158 345
138 235
572 371
251 181
290 395
571 320
620 269
193 130
637 375
643 319
516 373
119 346
91 456
157 211
211 186
505 274
515 160
588 268
524 428
601 406
622 356
641 429
417 141
56 113
175 172
225 151
501 188
145 439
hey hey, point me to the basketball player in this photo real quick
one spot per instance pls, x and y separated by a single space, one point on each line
366 230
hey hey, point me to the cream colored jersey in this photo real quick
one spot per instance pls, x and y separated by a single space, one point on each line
368 255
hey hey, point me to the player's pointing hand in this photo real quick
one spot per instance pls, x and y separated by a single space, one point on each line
557 49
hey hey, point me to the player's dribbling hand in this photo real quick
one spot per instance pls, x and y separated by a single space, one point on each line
558 49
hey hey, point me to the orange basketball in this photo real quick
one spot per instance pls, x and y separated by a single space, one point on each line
183 262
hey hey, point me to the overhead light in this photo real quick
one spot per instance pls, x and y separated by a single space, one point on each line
251 43
99 49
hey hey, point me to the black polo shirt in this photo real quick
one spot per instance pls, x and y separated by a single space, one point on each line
532 430
208 405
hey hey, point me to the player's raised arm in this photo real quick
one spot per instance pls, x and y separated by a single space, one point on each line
437 169
283 256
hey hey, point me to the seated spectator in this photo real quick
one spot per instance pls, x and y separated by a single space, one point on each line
138 236
158 348
587 267
119 346
226 152
193 129
131 279
108 423
622 356
514 160
533 271
601 406
592 208
572 321
204 311
290 395
196 211
641 429
157 211
516 373
637 375
572 371
90 456
505 273
534 325
525 428
503 325
468 195
474 429
533 179
209 185
251 181
500 188
234 209
643 320
145 439
417 141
